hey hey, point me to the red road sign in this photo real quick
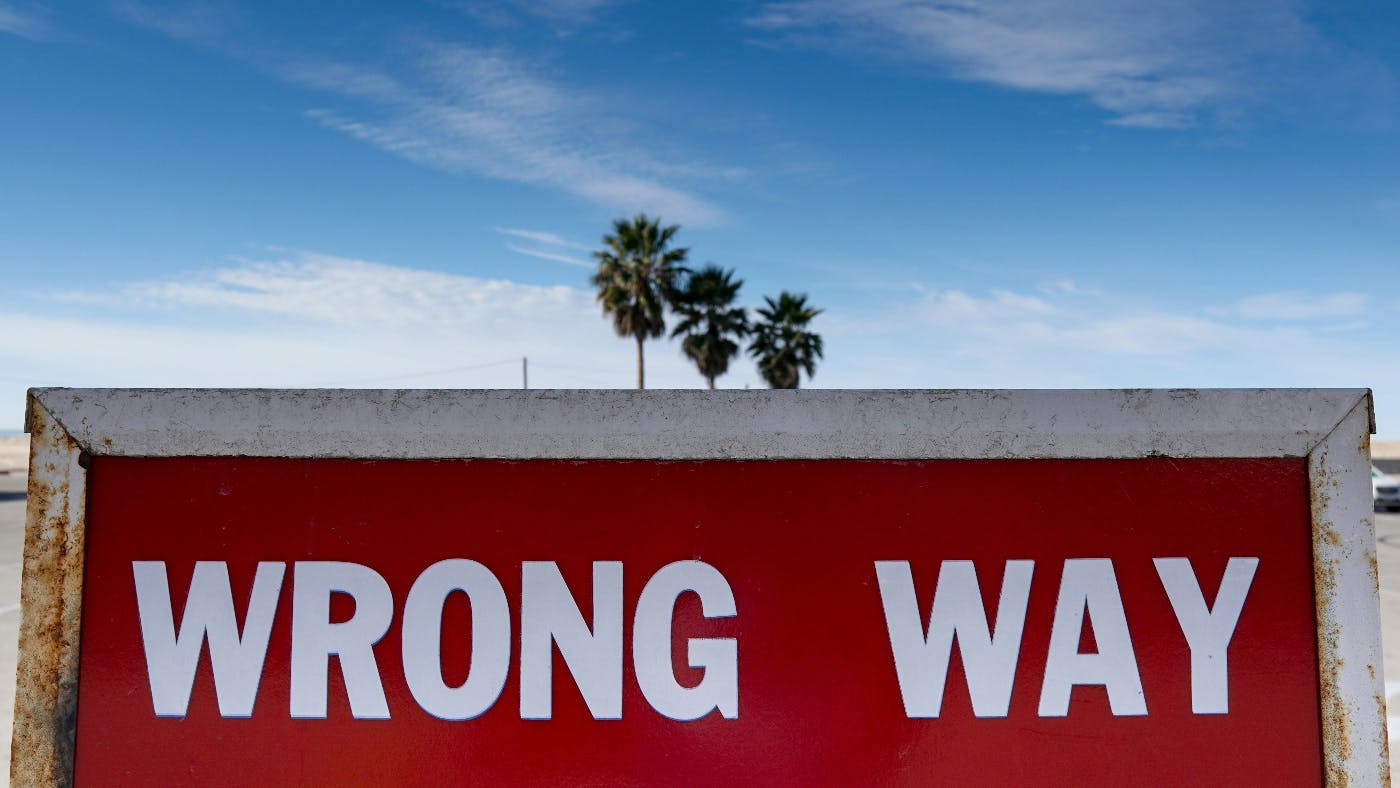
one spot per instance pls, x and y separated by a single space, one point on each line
1165 610
942 587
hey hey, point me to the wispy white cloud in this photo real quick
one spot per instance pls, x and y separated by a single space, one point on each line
1131 329
346 292
565 13
1146 335
569 9
196 23
1069 287
1118 344
940 338
955 307
558 250
472 110
1001 325
547 255
26 21
464 109
1301 306
308 319
538 236
1148 63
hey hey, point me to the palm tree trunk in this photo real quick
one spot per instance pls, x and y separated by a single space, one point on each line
641 375
711 380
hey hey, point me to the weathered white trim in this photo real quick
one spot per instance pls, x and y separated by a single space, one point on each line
1328 427
1355 746
956 424
46 689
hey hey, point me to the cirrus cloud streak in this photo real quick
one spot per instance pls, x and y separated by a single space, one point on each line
1148 63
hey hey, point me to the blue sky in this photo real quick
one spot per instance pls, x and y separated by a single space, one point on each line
1101 193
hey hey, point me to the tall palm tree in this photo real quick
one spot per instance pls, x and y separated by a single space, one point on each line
709 320
637 275
783 344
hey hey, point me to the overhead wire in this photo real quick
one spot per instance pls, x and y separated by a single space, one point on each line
430 373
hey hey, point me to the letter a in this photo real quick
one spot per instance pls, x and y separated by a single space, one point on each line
1089 585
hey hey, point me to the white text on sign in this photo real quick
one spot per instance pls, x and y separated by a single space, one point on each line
550 618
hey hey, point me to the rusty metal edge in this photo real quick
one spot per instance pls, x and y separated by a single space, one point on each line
46 692
1355 742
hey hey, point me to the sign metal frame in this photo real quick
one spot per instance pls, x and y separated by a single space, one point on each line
1329 428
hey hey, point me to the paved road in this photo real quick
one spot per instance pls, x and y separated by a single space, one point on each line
11 549
12 541
1388 553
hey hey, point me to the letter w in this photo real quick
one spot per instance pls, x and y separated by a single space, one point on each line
921 660
171 660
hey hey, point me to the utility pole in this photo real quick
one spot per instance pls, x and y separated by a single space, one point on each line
525 373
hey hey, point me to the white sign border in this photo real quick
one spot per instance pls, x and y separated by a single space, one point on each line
1330 428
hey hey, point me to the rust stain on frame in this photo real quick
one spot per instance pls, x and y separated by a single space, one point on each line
1334 727
1346 591
41 752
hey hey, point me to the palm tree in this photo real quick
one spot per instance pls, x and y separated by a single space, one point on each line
637 275
782 343
709 319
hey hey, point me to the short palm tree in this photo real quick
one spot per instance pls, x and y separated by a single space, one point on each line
782 342
637 275
710 323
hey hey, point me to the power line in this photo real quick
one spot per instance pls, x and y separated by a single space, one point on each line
576 368
430 373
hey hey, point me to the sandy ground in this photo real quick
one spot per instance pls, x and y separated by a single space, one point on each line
1388 551
14 463
11 549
